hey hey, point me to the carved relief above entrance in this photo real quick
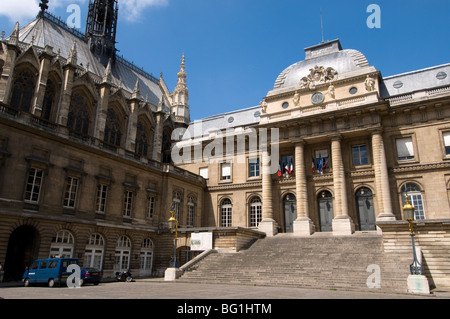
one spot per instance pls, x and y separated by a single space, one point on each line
318 75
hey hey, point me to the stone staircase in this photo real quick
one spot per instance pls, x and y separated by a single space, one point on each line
320 261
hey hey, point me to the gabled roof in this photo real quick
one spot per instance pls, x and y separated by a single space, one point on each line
47 30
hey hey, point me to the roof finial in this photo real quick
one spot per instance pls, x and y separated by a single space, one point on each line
321 23
44 6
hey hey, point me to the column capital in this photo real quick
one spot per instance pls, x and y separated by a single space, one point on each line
336 137
377 131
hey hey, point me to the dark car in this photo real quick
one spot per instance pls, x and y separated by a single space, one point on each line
91 275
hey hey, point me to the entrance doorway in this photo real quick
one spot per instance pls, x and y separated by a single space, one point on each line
325 204
290 212
364 205
23 248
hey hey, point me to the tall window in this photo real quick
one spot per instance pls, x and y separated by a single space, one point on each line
78 117
255 211
70 193
49 99
93 254
415 198
34 183
321 161
405 148
253 167
141 140
113 133
446 137
23 90
151 206
191 211
122 254
100 202
176 205
146 257
225 171
62 244
360 155
225 213
128 203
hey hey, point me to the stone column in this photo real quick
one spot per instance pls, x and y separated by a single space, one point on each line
342 223
303 224
267 225
381 177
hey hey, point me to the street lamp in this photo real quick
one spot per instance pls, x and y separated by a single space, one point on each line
408 210
173 226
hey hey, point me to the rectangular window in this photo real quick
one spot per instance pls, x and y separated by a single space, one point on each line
225 171
151 206
203 172
191 214
70 194
100 203
446 136
360 155
128 204
405 149
322 160
253 167
34 184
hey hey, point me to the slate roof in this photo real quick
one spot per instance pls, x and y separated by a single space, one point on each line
49 30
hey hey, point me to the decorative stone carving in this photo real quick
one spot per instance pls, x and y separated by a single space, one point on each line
297 99
331 91
317 75
263 106
370 84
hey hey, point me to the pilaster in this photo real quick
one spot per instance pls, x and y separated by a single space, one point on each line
41 85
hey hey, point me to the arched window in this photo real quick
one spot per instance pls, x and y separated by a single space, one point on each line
93 254
78 117
141 140
122 255
49 99
23 90
415 198
113 133
191 211
62 244
146 260
255 211
225 213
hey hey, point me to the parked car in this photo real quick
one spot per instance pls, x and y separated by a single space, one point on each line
91 275
52 271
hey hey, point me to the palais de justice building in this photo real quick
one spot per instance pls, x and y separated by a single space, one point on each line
95 152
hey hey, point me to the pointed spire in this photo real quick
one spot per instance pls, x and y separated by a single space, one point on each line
73 54
14 37
136 92
107 74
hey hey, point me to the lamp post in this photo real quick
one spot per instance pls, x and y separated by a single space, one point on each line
173 226
408 210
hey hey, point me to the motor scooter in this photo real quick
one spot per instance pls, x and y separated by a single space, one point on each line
124 276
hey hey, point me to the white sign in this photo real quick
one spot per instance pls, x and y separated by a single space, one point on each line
201 241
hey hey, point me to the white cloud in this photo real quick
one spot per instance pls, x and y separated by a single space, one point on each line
132 10
22 10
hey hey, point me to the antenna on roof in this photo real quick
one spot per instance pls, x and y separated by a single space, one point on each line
321 23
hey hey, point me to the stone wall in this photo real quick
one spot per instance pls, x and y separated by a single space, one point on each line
432 237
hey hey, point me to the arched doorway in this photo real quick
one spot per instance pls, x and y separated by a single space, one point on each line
325 204
290 212
23 248
364 205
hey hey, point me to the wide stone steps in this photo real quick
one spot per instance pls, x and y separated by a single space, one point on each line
320 261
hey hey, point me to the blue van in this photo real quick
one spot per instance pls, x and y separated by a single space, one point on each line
51 271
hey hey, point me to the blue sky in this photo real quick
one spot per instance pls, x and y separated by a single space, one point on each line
235 49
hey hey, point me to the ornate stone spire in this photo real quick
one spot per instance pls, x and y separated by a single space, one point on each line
73 55
182 75
180 97
14 37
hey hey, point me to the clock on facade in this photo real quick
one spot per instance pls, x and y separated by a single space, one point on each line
317 98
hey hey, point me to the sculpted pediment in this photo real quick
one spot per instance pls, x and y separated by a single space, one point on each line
317 75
